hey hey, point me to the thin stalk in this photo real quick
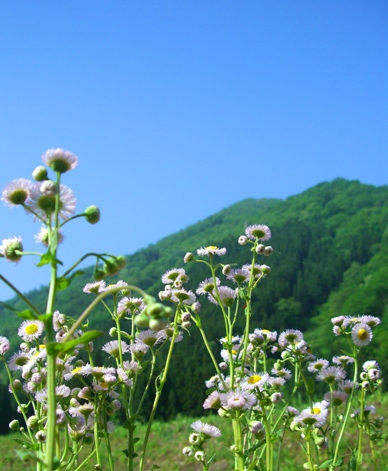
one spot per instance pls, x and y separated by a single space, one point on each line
159 392
347 415
21 295
360 428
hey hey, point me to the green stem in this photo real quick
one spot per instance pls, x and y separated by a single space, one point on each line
239 453
360 428
347 415
158 393
153 363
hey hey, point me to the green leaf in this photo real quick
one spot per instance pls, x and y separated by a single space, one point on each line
45 259
48 258
325 464
155 466
28 455
26 444
63 282
53 347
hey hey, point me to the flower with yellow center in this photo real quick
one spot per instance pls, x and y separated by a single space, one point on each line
361 334
211 250
30 330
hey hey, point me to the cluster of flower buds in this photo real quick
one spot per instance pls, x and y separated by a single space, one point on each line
202 432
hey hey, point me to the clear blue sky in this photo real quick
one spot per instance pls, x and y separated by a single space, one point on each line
178 109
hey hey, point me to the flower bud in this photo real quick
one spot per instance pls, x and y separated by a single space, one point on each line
199 456
189 257
187 451
260 249
11 248
48 188
17 385
265 269
158 323
41 436
33 422
113 332
226 270
142 320
92 214
242 240
40 174
14 425
196 307
365 384
268 251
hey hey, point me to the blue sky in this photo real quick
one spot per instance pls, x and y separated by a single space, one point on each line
178 109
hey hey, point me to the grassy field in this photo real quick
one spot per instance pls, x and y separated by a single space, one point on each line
168 439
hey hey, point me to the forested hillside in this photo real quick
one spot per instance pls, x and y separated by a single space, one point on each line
330 258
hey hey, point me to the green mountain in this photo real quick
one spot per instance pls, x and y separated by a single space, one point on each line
330 258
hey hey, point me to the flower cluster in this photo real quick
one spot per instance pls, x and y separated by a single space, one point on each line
59 388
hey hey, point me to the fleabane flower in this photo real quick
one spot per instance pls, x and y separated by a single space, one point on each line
10 249
258 231
227 296
361 334
213 401
130 305
148 337
211 250
16 192
255 381
206 429
343 360
96 287
290 336
60 160
317 365
238 400
314 416
207 285
42 200
113 348
239 275
331 374
43 237
183 296
371 321
336 398
175 274
30 330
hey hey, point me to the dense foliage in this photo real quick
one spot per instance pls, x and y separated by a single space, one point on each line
330 258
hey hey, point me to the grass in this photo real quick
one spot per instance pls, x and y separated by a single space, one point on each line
169 438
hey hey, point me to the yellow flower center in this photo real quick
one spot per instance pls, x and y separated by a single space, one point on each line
31 329
254 379
76 370
316 410
211 247
362 334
